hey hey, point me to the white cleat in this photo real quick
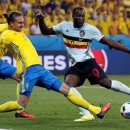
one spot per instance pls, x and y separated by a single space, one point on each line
81 113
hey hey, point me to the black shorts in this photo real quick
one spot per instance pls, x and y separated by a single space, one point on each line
88 69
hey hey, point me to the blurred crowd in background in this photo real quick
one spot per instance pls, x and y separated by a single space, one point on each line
111 17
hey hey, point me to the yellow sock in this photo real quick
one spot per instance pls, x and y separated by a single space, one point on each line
17 95
81 102
17 90
10 106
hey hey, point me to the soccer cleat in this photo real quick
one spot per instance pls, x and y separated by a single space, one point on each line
24 114
85 118
104 110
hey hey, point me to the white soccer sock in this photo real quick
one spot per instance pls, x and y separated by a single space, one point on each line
82 110
120 87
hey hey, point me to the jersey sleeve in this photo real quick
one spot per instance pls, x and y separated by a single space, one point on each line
6 38
3 27
58 28
96 34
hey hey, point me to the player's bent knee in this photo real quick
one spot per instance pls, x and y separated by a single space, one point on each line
64 89
106 84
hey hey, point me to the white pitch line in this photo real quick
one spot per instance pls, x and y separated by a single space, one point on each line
6 129
97 87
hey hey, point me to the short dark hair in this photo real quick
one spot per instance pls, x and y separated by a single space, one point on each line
76 8
11 16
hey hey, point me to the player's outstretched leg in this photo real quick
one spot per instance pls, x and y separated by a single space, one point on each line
77 100
11 106
86 115
14 105
22 113
104 109
120 87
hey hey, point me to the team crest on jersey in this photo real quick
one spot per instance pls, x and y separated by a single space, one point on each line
82 33
72 43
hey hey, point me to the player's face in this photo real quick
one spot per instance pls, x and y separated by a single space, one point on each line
18 24
79 18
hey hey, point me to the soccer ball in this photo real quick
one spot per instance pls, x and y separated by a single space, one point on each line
125 110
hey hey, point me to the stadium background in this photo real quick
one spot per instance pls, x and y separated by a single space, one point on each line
111 17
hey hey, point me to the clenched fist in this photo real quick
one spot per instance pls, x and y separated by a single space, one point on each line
39 15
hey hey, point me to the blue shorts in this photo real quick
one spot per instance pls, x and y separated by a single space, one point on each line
37 75
6 70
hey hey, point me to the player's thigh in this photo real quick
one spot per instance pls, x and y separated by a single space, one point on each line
96 74
6 70
72 80
49 81
73 77
27 84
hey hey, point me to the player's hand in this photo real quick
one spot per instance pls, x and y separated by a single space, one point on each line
39 15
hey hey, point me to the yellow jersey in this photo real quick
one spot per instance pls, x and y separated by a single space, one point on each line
123 26
104 25
3 27
3 49
21 49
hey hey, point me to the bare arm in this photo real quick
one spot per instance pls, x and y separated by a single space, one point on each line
43 27
114 44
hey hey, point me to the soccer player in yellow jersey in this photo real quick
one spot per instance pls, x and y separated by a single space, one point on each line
31 71
6 70
9 71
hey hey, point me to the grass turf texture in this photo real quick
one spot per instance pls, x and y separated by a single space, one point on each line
54 112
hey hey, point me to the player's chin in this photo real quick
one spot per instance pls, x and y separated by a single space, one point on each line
80 25
20 29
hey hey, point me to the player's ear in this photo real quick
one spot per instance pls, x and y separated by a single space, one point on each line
11 24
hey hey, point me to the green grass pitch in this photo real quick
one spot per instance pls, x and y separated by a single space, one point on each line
54 112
